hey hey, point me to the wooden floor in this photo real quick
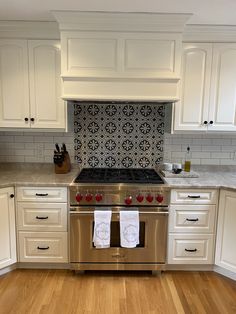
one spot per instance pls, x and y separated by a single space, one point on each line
61 291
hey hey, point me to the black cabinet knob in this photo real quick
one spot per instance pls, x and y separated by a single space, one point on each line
211 122
32 119
26 119
12 195
205 122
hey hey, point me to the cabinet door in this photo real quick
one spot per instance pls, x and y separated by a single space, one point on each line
226 231
223 89
192 109
14 88
47 107
7 228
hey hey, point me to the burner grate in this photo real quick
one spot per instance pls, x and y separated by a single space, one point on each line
107 175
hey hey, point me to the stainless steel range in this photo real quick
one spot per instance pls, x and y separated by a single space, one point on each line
118 190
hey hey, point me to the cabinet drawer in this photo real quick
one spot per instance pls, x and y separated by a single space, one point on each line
42 216
192 218
190 249
43 247
194 196
41 194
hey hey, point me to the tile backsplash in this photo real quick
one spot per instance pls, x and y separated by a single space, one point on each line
125 134
206 149
33 146
120 135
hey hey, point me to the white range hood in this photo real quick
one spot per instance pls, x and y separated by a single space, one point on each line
120 56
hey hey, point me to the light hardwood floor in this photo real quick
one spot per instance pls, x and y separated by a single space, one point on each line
61 291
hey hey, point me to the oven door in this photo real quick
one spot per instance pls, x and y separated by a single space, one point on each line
152 237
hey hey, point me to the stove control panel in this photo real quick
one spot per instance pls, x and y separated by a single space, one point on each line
121 196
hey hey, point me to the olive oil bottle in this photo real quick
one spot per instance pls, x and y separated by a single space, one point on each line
187 164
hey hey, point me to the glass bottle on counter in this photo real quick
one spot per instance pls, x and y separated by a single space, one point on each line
187 163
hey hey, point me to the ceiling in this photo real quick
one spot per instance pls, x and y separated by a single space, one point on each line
220 12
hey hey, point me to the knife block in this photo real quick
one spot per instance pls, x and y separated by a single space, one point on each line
65 166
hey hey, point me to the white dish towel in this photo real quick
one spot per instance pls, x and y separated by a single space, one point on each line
102 228
129 228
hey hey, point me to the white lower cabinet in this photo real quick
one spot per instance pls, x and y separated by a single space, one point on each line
43 247
190 249
42 224
7 228
192 226
226 232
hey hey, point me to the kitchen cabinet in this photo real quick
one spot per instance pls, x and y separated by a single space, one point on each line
7 228
207 88
30 85
226 232
42 224
192 226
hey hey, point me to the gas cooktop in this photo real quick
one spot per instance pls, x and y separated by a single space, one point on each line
115 175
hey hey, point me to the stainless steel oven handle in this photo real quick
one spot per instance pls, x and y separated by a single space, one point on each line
141 213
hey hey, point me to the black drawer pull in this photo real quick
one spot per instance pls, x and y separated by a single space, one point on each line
194 196
41 194
38 217
43 248
193 219
189 250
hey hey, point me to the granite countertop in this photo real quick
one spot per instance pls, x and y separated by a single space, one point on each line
31 174
209 177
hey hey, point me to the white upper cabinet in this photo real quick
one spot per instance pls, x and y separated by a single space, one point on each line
192 110
14 88
47 107
7 228
208 88
222 109
30 84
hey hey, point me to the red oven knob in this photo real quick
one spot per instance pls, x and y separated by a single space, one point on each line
159 198
149 198
128 200
98 197
139 198
79 197
89 197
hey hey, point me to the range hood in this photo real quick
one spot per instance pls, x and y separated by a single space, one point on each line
120 56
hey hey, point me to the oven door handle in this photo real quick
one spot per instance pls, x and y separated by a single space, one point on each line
141 213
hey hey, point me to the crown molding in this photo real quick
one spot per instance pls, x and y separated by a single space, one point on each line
119 21
29 30
209 33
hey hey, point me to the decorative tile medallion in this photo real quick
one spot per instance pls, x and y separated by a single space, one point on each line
118 135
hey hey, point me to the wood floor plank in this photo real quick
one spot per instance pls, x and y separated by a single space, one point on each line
63 292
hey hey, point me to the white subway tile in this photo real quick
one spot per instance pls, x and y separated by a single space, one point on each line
210 161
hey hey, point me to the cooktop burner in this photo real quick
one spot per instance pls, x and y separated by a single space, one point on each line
107 175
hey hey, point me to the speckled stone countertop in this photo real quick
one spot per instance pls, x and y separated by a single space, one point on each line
209 177
31 174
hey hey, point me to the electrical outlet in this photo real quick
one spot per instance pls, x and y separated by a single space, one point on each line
39 150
